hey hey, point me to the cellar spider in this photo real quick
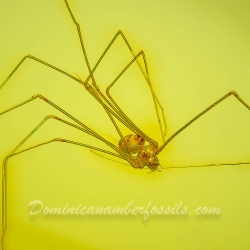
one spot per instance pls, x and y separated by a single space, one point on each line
137 149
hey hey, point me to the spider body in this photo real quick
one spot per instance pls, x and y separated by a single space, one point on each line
143 153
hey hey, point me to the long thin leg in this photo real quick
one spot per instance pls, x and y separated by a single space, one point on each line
94 82
93 151
201 114
70 142
80 37
61 71
114 123
211 165
122 72
35 96
86 129
48 65
155 99
126 123
53 67
4 174
14 152
42 62
88 87
146 76
118 110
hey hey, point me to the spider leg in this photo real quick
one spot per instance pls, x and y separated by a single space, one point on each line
146 76
212 165
34 97
88 87
201 114
127 122
114 123
55 68
120 116
86 128
48 65
80 37
15 152
70 142
93 151
67 74
42 62
109 87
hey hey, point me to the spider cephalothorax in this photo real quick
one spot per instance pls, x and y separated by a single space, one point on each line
143 153
148 157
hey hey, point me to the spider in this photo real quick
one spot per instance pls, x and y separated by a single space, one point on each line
137 148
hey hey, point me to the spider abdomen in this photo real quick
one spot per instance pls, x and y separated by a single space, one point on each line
133 143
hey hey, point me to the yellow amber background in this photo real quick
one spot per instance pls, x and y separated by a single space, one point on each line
197 51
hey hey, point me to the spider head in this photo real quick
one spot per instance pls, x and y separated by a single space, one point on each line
149 159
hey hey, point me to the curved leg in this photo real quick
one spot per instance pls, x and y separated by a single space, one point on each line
15 152
126 122
201 114
86 129
113 101
115 112
42 62
80 37
122 118
146 76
